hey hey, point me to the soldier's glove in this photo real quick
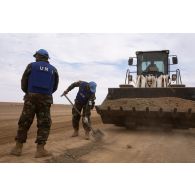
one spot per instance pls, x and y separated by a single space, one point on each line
85 120
65 93
91 104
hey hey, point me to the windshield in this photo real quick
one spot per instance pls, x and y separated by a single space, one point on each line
159 66
152 62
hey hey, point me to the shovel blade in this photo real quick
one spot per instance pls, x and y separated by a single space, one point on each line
97 134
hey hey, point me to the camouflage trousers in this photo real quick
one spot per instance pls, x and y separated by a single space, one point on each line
76 116
34 105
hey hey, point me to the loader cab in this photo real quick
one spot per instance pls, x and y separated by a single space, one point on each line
152 62
155 63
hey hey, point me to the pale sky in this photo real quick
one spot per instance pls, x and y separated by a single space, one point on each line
90 57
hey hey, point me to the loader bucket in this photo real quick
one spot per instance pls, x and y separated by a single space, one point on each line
132 107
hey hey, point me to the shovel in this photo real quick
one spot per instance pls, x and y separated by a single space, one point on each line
96 133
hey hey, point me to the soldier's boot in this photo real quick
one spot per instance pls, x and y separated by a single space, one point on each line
87 135
41 152
75 133
17 150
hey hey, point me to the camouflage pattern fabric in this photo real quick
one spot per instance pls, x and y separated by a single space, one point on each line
76 117
39 105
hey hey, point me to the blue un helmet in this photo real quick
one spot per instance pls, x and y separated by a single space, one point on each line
42 52
92 86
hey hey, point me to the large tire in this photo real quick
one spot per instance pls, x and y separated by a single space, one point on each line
119 125
130 125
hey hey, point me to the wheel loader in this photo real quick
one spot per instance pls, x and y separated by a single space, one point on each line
152 95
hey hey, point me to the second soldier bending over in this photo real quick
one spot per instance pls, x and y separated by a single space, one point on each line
84 102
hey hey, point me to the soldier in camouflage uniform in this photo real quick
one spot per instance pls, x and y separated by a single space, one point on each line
39 81
84 102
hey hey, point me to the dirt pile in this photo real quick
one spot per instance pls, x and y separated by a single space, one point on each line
166 103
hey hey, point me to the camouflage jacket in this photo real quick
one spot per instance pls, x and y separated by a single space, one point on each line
24 84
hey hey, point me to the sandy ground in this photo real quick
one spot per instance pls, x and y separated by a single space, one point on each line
118 145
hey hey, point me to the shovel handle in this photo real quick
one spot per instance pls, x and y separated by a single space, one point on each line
72 104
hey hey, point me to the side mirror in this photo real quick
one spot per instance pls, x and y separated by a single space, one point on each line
130 61
174 77
174 60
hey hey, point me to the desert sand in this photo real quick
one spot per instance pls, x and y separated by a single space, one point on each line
119 144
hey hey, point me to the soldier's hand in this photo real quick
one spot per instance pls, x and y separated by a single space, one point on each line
91 104
64 93
85 120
